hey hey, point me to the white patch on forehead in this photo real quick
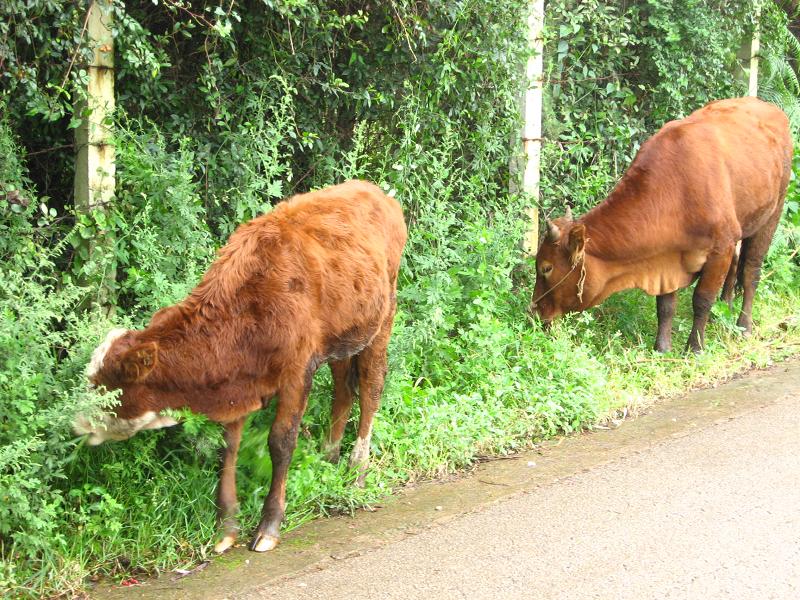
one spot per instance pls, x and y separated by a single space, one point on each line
99 354
110 427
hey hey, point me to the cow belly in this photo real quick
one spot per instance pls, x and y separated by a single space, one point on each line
356 329
350 341
692 262
669 273
756 219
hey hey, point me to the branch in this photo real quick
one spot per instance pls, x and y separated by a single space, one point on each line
53 149
78 49
570 80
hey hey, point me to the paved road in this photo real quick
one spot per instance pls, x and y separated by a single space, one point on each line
711 513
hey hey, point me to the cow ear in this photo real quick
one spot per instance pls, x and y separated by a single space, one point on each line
576 243
139 361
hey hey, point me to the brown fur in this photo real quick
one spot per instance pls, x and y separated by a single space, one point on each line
310 282
695 188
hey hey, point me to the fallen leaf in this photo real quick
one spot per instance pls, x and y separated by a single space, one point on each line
186 572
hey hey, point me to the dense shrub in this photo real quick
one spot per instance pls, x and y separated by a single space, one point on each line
226 108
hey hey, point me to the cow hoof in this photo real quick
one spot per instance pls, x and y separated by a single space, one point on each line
331 452
745 325
361 469
224 544
263 543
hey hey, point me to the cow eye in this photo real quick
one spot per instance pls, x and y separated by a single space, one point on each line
546 270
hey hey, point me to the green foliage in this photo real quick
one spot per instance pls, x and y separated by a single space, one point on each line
779 59
617 71
44 342
40 41
163 239
225 108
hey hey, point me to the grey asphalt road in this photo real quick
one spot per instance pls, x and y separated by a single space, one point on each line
711 512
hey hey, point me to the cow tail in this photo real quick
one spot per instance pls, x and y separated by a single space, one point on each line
352 375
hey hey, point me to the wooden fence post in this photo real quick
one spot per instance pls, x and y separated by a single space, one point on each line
755 48
94 161
532 134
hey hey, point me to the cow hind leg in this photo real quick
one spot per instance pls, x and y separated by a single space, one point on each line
343 392
227 503
728 288
708 286
752 258
665 310
282 442
372 368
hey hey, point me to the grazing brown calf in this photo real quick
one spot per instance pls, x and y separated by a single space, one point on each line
695 189
313 281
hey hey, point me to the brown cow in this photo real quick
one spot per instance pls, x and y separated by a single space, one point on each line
313 281
695 189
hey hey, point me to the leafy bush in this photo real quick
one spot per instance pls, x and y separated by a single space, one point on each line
43 345
617 71
163 240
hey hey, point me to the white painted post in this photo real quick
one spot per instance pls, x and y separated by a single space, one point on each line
532 133
94 160
755 47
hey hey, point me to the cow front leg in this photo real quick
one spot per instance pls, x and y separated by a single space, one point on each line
343 391
665 310
227 503
282 442
708 286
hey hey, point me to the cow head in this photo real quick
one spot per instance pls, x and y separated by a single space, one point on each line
122 362
560 269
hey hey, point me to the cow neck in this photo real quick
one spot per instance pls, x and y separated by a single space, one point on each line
210 376
620 226
189 355
620 238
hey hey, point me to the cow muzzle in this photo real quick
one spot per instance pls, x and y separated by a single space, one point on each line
108 427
